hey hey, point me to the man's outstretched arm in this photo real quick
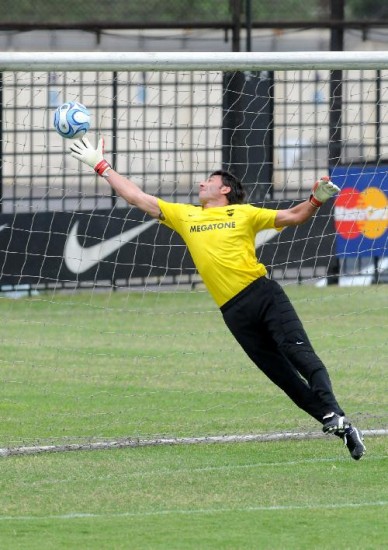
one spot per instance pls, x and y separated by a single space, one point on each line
126 188
323 190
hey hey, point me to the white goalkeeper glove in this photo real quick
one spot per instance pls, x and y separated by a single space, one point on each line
83 150
322 191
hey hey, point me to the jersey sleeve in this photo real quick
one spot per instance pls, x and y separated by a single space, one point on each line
263 218
171 214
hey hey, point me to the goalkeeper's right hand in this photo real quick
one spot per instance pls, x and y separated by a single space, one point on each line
83 150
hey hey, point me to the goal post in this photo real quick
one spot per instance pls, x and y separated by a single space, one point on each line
114 341
191 61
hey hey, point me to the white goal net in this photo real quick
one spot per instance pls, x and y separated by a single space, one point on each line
109 337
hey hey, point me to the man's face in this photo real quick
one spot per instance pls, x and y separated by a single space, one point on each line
212 190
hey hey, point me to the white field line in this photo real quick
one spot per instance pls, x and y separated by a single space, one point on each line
125 443
204 511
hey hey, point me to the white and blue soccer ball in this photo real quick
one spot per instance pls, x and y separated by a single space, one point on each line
72 120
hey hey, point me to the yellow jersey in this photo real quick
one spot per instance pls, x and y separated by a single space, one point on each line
221 241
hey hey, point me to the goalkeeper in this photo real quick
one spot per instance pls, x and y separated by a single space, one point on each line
220 235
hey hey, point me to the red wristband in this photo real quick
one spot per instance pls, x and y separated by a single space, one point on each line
315 202
101 167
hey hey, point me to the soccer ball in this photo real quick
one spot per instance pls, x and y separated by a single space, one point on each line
72 120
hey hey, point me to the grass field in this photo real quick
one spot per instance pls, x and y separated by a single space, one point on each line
102 366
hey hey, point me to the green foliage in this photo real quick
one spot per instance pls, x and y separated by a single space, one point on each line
368 9
168 11
172 11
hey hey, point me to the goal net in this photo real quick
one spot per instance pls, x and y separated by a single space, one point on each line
109 337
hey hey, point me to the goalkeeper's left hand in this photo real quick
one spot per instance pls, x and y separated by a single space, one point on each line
83 150
323 190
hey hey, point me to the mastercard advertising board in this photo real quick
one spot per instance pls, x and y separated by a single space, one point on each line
361 210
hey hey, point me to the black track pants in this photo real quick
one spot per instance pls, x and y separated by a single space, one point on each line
265 324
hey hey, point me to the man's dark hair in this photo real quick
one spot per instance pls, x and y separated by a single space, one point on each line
236 194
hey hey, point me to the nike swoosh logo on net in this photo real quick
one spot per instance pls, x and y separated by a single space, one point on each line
79 259
265 236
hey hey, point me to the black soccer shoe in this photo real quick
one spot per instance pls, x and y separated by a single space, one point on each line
334 423
353 440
